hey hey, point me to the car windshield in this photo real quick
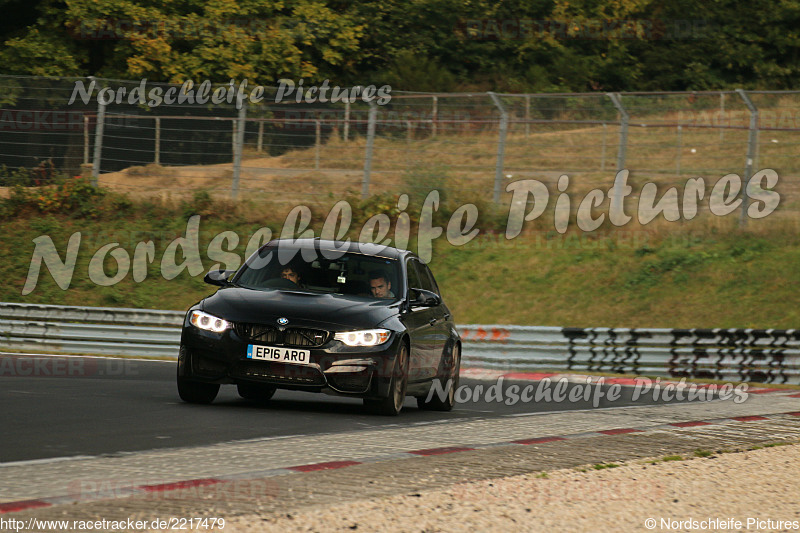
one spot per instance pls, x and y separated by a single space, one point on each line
320 271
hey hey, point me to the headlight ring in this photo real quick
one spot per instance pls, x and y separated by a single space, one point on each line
366 337
208 322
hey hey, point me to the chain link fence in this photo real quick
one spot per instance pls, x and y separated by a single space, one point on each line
470 145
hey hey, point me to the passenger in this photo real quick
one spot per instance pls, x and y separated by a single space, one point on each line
379 284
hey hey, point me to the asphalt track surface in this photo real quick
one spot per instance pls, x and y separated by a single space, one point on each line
53 407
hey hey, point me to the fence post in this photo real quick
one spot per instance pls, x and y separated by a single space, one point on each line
317 142
85 139
260 136
752 145
623 145
434 115
678 156
98 140
721 116
346 119
409 132
501 146
603 150
233 137
158 141
373 115
238 145
527 115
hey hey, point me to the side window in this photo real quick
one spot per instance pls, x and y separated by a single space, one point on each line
424 278
413 276
431 282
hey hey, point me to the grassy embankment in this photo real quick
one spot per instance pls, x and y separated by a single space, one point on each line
630 279
700 273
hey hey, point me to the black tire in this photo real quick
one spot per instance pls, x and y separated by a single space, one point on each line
393 403
196 391
452 369
193 391
257 392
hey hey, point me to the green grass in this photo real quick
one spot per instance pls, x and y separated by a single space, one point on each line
603 466
700 273
674 277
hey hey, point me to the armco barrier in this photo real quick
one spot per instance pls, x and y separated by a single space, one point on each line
90 330
771 356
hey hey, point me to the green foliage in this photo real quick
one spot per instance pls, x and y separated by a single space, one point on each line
603 466
426 45
385 203
418 183
120 204
18 177
652 271
202 204
420 73
612 279
198 40
43 174
75 196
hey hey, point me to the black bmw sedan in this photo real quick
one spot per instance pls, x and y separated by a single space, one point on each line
352 319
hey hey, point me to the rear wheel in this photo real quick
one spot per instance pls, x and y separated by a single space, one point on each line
193 391
437 403
257 392
393 403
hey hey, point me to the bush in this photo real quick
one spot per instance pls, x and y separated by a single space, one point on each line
43 174
76 196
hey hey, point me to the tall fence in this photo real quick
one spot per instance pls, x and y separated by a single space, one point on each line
471 143
771 356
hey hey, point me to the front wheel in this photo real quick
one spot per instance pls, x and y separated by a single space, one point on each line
393 403
196 392
449 384
193 391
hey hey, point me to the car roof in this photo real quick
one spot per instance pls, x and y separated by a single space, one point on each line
364 248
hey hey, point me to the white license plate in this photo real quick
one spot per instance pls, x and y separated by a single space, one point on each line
279 354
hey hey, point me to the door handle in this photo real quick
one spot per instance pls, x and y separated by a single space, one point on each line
447 316
432 321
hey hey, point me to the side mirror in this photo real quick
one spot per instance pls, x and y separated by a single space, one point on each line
218 277
423 298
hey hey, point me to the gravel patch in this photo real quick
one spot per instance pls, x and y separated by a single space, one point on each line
758 485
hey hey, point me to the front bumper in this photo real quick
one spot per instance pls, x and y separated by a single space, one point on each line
334 367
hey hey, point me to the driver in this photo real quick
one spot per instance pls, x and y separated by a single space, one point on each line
291 274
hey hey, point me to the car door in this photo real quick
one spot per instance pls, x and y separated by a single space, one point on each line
439 318
419 322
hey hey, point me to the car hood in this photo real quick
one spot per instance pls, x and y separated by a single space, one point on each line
323 311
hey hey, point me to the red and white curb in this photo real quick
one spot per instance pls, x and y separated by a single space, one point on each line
26 505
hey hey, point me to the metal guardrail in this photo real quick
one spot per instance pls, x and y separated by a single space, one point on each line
90 330
771 356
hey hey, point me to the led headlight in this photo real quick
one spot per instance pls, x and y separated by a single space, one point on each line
208 322
367 337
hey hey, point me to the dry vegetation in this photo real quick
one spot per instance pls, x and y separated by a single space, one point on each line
463 162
